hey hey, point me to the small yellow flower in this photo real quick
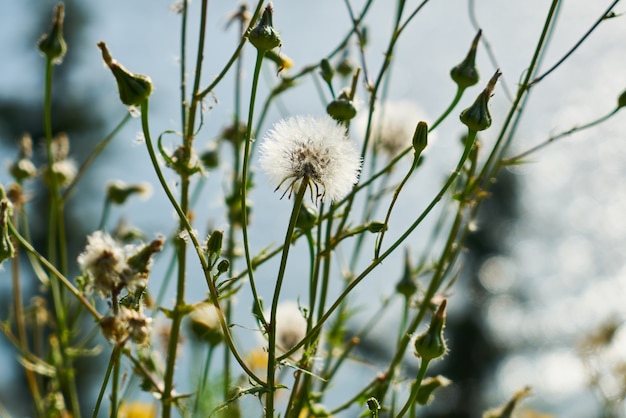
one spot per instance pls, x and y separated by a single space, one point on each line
137 410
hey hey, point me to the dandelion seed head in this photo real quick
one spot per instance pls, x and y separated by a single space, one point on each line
316 150
290 325
103 263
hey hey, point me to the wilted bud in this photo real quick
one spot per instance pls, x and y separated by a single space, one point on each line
118 191
205 323
341 109
133 88
431 344
506 411
326 70
141 261
407 286
52 44
264 37
420 138
466 74
477 116
113 329
307 217
429 386
7 250
621 100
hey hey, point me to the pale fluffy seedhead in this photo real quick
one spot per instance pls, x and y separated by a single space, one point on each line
103 262
290 325
313 149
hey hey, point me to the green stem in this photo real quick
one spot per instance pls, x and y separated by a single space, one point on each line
271 328
415 389
115 357
196 245
103 387
244 182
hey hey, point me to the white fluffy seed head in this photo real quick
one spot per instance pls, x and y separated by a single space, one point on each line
316 150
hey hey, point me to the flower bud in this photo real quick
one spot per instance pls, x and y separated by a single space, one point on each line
341 109
283 62
420 138
263 36
407 286
211 157
477 116
507 410
431 344
52 44
466 74
373 405
7 250
133 88
307 217
375 226
345 67
223 266
326 70
205 324
429 386
214 245
141 261
118 191
621 100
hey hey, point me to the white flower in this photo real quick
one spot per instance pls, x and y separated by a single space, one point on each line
290 326
316 150
393 125
103 263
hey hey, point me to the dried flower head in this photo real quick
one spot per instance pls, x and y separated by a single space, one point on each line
314 150
103 264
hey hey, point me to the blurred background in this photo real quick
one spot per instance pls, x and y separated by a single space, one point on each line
545 271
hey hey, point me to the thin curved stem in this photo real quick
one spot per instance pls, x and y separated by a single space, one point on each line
415 389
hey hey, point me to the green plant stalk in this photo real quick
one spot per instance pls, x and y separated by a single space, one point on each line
203 378
18 309
196 245
271 326
415 389
234 56
103 387
491 166
115 403
518 157
396 193
56 241
244 182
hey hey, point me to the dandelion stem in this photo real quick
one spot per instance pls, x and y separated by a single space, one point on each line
415 389
271 328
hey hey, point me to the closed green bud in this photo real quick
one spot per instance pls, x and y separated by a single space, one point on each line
375 226
7 250
52 44
373 405
420 138
621 100
326 70
466 74
407 286
223 266
431 344
141 261
133 88
214 244
345 66
341 109
429 386
263 36
211 157
477 116
307 217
